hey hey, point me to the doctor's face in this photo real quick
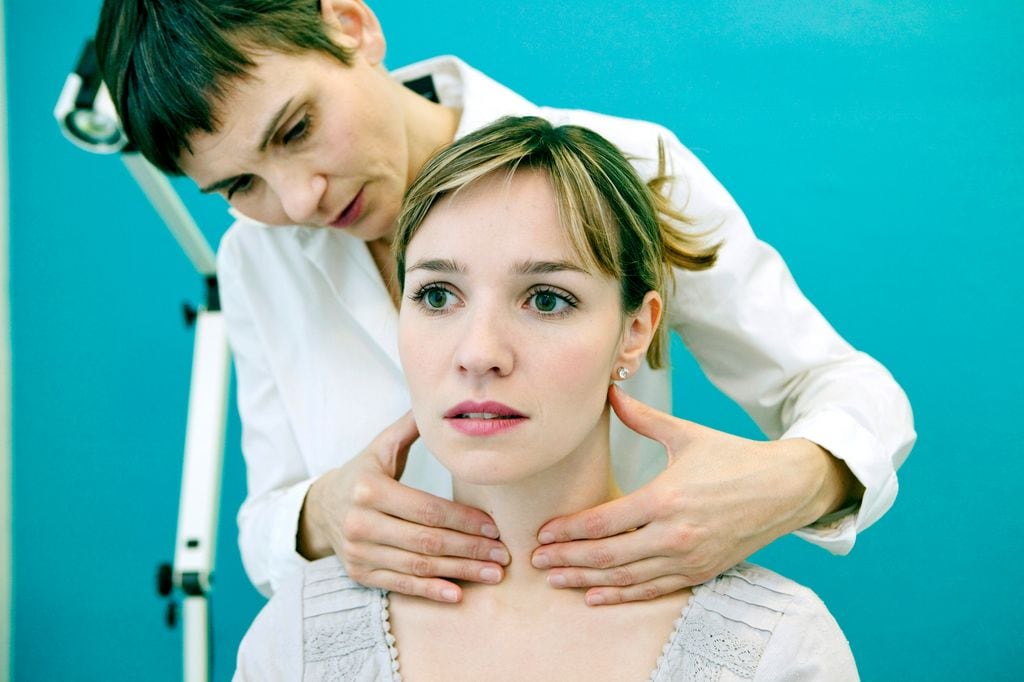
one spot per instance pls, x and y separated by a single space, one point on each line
307 140
508 345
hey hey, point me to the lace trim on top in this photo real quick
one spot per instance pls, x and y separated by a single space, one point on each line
673 639
720 635
346 633
385 620
725 628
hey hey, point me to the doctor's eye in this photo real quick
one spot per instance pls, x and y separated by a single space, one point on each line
435 298
552 303
298 131
240 186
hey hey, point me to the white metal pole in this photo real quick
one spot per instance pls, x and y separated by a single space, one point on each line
196 544
196 640
85 98
204 448
170 207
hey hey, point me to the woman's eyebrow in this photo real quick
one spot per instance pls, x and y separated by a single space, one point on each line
526 267
436 265
542 267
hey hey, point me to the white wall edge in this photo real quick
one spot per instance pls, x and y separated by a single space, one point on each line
5 375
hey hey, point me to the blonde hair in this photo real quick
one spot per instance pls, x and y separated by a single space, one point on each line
617 224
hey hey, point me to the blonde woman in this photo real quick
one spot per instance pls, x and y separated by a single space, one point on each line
534 265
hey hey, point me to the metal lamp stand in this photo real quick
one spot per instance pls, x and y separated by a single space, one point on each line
196 542
87 117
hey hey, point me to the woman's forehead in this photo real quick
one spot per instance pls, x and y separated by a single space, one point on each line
510 214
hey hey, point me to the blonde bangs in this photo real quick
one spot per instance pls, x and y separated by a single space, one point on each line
617 224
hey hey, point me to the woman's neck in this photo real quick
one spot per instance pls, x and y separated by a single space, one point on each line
580 481
521 628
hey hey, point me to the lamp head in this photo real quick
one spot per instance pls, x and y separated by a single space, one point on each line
85 111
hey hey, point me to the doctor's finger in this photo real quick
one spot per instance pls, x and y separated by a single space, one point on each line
606 520
620 576
440 542
419 566
434 589
429 510
604 553
600 596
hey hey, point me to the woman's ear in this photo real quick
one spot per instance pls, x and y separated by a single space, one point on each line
637 336
353 25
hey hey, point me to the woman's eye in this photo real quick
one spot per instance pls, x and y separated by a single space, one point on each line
436 298
551 303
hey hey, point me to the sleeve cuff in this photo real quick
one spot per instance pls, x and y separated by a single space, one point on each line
267 537
847 440
285 558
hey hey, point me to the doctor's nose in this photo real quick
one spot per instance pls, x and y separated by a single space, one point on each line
301 196
485 347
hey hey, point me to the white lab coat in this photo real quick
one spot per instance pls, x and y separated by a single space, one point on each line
314 337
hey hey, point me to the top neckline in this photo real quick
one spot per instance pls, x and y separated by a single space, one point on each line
674 635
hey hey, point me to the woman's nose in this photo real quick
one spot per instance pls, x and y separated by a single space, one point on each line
301 196
485 347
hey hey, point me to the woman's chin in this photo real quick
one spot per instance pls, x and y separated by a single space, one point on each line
488 467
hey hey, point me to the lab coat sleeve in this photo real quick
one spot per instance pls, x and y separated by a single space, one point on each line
276 475
807 645
272 648
759 339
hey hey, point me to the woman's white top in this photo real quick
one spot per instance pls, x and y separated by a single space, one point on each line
314 337
747 624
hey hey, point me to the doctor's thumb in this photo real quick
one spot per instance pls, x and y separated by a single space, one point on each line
392 445
646 420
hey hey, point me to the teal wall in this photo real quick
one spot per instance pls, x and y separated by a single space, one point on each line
877 145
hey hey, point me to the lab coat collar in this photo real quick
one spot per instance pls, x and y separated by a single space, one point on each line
345 262
457 84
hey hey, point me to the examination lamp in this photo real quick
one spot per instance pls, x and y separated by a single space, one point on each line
86 115
85 111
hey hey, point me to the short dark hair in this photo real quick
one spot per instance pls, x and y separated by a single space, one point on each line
168 62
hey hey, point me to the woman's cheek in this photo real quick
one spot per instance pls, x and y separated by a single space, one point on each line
580 369
416 361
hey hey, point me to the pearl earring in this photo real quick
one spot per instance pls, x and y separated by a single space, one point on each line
623 373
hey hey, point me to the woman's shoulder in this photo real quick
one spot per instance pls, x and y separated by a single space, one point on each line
319 624
324 585
752 623
754 586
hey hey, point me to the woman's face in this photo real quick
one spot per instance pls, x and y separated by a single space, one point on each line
507 344
307 140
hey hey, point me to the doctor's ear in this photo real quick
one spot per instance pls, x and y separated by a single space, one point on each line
637 335
353 25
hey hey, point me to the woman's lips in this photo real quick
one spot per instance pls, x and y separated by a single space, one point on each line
351 212
483 418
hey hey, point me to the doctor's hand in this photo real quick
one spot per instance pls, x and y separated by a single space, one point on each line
720 499
394 537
